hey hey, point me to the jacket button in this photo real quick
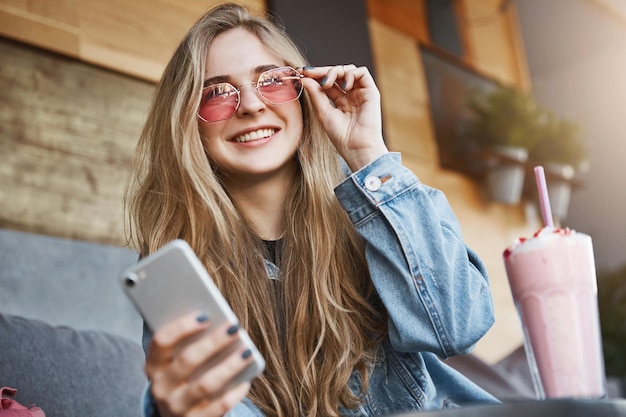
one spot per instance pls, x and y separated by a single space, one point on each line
372 183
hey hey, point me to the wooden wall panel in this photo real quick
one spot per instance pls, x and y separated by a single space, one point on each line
407 16
400 76
489 34
60 11
495 41
133 37
17 21
67 133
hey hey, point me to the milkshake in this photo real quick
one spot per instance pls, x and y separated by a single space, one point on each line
553 282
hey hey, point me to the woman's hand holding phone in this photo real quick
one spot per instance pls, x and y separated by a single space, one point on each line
181 382
200 363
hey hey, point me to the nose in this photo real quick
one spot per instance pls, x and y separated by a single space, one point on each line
249 100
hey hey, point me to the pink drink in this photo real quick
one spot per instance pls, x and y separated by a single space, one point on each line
553 283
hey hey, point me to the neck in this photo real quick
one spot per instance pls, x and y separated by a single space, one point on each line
262 203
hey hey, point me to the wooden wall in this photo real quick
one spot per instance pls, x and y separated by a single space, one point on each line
133 37
67 128
67 132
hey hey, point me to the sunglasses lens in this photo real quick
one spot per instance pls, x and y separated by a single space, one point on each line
218 102
280 85
276 86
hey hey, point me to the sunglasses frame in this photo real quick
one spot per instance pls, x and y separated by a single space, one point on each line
256 85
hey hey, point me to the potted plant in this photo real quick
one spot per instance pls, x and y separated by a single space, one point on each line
503 127
612 307
560 149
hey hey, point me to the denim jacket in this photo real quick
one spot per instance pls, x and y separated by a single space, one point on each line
434 287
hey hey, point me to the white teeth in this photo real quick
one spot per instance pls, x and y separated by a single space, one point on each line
257 134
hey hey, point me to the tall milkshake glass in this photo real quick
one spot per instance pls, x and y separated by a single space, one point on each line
553 282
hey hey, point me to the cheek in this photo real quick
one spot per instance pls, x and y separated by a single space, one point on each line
209 134
210 143
206 131
297 121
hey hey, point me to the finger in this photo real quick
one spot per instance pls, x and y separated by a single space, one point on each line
319 98
182 384
166 339
213 382
319 73
221 405
340 74
330 77
357 77
351 76
334 92
203 349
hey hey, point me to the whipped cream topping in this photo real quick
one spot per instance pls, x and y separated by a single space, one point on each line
255 135
544 232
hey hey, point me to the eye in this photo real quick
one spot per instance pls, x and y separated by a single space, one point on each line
218 91
269 80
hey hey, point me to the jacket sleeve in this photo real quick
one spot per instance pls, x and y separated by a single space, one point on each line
434 287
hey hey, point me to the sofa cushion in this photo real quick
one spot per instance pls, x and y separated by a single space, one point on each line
66 282
70 372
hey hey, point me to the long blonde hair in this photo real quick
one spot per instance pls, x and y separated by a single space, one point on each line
331 326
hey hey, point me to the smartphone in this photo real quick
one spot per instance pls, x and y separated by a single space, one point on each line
172 282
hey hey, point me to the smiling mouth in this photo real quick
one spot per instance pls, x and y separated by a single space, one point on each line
255 135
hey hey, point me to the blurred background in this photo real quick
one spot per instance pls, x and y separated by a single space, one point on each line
76 78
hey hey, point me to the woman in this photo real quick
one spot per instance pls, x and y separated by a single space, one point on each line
350 278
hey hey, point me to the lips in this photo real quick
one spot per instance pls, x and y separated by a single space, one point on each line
254 135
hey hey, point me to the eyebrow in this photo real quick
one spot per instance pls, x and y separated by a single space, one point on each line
225 78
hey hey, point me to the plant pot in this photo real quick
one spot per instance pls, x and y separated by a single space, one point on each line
505 171
559 181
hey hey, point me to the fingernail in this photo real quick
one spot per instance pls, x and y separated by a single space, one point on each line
308 67
323 80
343 85
246 353
232 329
202 318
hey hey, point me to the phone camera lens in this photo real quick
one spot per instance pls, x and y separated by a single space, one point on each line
131 279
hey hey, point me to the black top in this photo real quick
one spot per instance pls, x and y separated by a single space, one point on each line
272 249
272 254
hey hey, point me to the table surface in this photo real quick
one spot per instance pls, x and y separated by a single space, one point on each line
546 408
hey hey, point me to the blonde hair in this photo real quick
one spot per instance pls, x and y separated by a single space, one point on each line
331 328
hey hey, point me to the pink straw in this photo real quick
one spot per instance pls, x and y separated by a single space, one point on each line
544 200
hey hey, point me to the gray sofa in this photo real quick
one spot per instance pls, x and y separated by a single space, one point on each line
70 342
